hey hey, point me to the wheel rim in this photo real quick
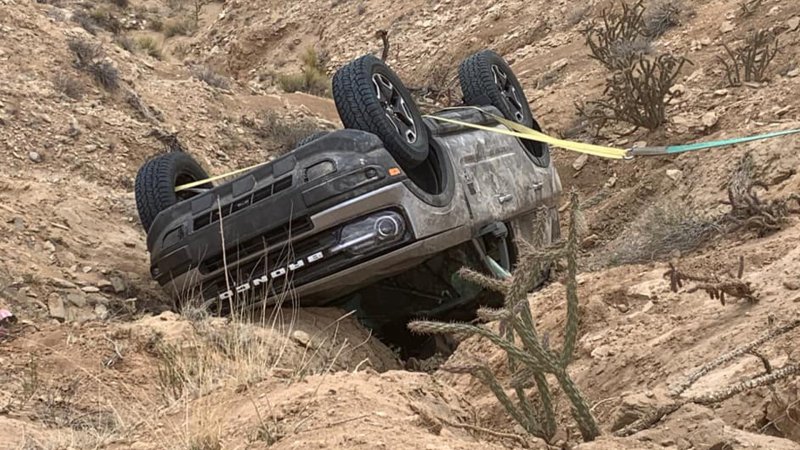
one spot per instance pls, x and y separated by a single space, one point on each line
395 108
509 93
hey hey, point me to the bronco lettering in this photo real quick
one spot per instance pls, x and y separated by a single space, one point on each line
264 279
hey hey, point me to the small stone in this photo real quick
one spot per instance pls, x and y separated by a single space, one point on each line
77 299
710 119
677 90
602 352
101 311
34 156
87 269
727 27
793 73
302 338
674 174
49 246
611 182
580 162
90 289
55 305
590 241
19 223
64 284
791 285
648 306
721 92
118 285
793 23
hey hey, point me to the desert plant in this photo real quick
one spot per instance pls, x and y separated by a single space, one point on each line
621 39
716 286
577 15
150 46
86 22
126 42
89 59
312 78
284 134
68 86
770 376
750 61
178 27
210 77
120 3
639 94
661 15
748 7
532 360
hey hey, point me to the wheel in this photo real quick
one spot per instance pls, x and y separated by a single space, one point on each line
370 97
486 79
156 182
311 138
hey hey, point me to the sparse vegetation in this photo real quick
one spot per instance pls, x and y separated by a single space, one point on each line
639 94
661 15
68 86
150 46
312 78
210 77
178 27
577 15
716 286
89 60
750 61
531 362
621 39
748 7
271 127
126 42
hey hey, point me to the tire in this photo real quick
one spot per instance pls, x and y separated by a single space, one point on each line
370 97
311 138
481 77
156 182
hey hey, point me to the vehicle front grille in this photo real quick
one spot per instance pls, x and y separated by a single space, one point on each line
240 203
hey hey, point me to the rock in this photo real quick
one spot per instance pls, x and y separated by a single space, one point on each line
101 311
118 285
791 285
710 119
34 156
793 73
90 289
590 241
560 64
674 174
721 92
602 351
677 90
64 284
580 162
304 339
77 299
55 305
611 182
632 408
793 23
727 27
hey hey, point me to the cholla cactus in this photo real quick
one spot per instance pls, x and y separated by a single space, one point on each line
530 360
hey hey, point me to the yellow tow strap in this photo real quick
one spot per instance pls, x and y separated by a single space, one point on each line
523 132
515 129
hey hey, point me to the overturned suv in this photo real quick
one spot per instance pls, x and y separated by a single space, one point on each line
377 217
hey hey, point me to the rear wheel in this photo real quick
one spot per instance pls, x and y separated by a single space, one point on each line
487 80
370 97
156 182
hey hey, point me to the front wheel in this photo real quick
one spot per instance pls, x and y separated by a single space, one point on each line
156 182
370 97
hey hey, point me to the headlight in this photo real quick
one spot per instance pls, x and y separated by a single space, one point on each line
371 233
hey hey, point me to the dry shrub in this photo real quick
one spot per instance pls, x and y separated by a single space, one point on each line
750 61
659 232
90 59
284 134
68 86
311 79
126 42
577 15
661 15
179 27
621 39
210 77
639 94
150 46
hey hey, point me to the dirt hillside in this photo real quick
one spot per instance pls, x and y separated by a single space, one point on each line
96 358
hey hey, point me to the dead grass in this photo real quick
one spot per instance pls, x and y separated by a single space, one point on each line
280 132
207 75
179 27
69 86
661 16
90 58
150 46
311 79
